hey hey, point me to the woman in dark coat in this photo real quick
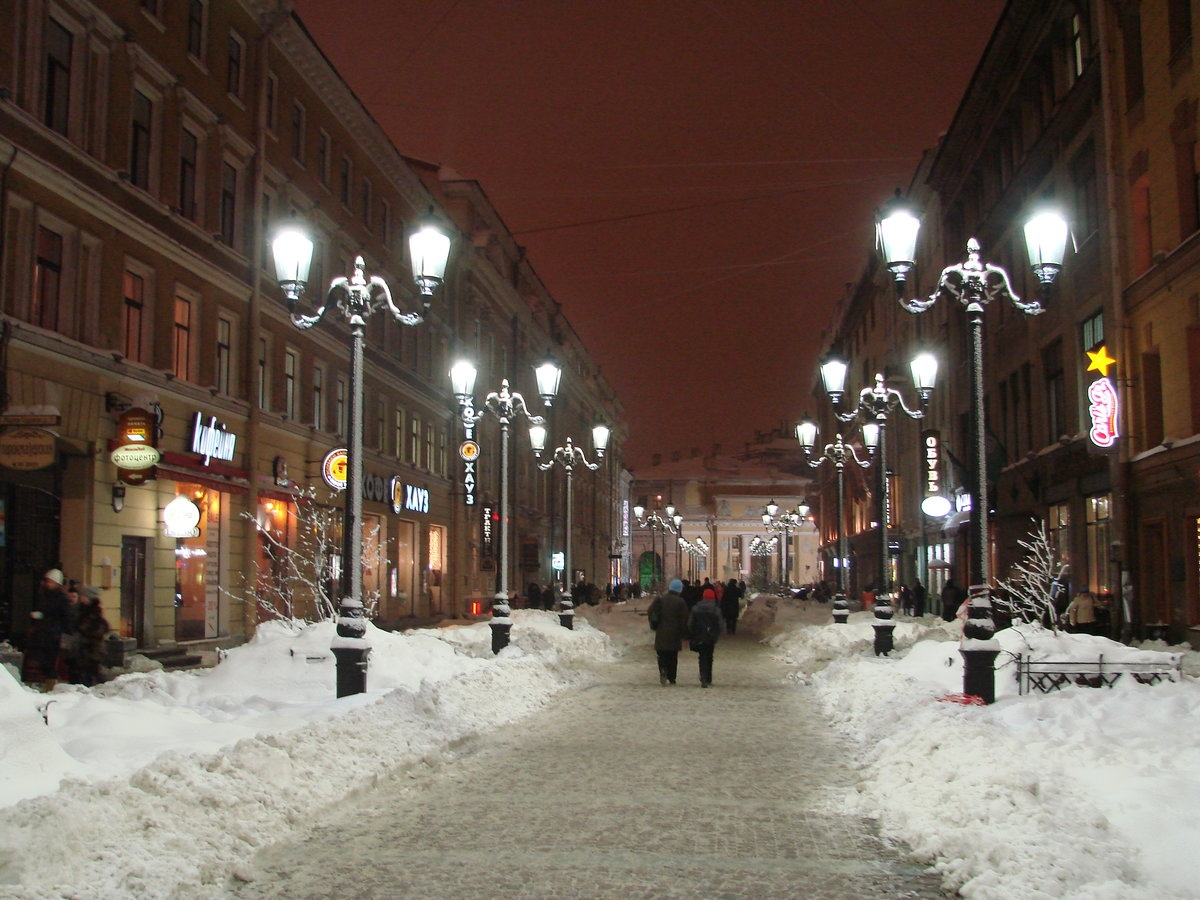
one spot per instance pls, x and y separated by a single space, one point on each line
668 615
731 606
93 629
704 630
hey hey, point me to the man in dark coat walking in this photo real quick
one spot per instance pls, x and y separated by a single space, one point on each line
731 606
668 615
952 598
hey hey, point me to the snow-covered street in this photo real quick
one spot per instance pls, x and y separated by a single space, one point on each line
159 785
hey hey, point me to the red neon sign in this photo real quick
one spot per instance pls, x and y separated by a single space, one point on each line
1103 408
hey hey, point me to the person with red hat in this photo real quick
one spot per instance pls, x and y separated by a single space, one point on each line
704 630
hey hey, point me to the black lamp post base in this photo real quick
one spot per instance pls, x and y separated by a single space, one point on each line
351 670
883 638
841 609
567 620
979 674
499 635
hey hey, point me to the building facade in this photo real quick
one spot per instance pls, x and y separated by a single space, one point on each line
148 150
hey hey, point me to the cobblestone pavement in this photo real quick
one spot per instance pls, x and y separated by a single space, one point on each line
623 789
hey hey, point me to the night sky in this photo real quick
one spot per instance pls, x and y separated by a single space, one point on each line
695 182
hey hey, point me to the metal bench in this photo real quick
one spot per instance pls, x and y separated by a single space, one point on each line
1050 675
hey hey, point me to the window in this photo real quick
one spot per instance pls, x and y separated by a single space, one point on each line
272 110
291 364
1056 391
1185 187
1131 45
1098 525
380 425
228 204
340 401
133 313
47 279
1179 26
1083 177
264 383
398 433
1141 227
1078 53
235 65
318 399
181 363
427 459
1152 399
152 8
140 141
385 221
414 441
1092 331
344 182
196 17
365 211
442 465
1058 527
224 372
297 131
323 157
189 153
56 110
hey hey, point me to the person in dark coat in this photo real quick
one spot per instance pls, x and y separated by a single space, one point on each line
704 630
93 629
952 598
919 595
731 606
52 617
668 615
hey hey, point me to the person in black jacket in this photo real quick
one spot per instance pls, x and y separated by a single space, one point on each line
704 630
668 616
731 606
52 619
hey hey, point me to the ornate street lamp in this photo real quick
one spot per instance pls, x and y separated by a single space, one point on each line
973 284
568 456
505 405
836 453
357 297
658 522
783 523
875 406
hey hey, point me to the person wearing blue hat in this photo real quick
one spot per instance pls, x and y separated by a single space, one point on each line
668 616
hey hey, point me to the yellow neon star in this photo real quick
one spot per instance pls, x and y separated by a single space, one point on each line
1100 361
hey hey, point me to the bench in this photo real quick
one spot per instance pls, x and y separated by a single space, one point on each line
1050 675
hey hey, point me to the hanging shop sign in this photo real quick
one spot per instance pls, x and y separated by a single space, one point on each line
333 468
212 440
934 502
1103 402
487 543
136 454
468 452
27 449
180 518
409 497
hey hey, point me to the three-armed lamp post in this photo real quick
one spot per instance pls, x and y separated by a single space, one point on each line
836 453
505 405
784 523
568 456
357 297
973 284
875 405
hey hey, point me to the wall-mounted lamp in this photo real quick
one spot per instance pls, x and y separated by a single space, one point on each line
118 497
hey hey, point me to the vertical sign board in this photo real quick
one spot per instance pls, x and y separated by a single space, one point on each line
1103 403
468 452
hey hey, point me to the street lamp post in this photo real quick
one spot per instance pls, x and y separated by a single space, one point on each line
505 405
568 456
974 284
875 405
783 523
836 453
357 297
657 522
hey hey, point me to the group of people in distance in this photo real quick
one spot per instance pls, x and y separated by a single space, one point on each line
65 641
674 618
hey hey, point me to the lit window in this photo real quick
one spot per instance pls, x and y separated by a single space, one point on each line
182 362
135 296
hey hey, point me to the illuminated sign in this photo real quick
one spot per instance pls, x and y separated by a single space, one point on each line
933 457
180 518
1103 403
1103 408
135 455
468 452
211 440
333 468
487 548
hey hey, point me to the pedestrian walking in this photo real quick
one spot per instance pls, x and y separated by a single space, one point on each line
919 595
668 616
731 606
51 617
704 630
952 598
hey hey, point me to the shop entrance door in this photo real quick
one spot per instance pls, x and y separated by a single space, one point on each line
133 588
